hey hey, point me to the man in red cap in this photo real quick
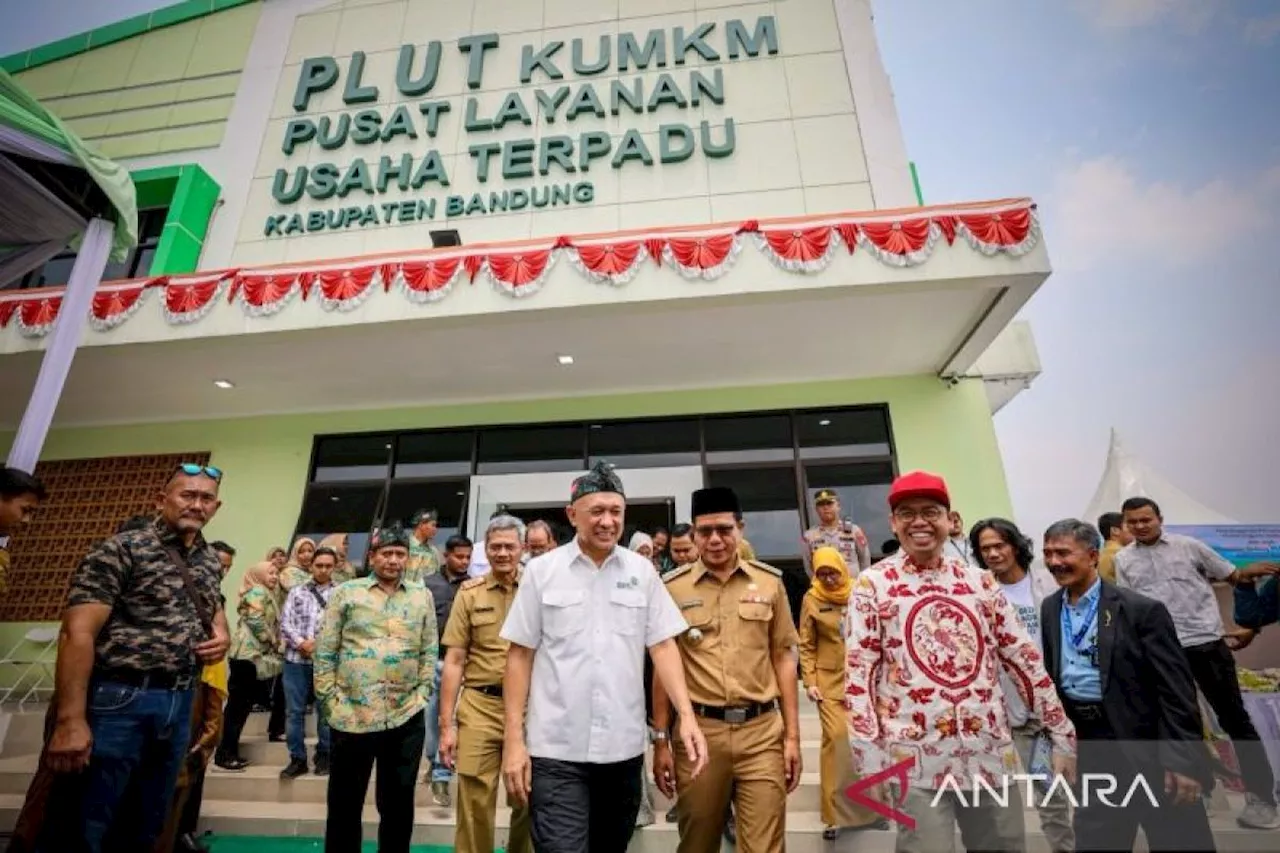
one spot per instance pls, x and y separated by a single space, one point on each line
927 635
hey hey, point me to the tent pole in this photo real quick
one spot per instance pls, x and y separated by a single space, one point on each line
68 327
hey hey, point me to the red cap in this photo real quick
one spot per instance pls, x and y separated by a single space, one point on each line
919 484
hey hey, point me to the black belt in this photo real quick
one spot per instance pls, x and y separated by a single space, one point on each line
494 690
736 715
1085 710
147 680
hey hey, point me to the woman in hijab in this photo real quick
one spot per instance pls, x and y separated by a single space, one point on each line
642 544
298 570
255 657
278 556
822 664
344 571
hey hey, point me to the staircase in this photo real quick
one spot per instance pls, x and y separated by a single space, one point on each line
256 802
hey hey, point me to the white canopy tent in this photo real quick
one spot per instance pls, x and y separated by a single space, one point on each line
1127 476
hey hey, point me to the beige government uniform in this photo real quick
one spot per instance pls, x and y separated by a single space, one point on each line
734 629
478 612
822 665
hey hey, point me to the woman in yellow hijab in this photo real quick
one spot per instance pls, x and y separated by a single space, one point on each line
822 663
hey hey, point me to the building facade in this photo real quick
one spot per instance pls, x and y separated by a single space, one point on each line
406 253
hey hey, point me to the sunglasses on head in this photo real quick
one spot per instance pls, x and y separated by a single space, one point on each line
191 469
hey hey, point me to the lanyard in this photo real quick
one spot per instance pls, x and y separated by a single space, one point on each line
1077 637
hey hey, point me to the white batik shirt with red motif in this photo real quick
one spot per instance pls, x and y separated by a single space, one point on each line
922 680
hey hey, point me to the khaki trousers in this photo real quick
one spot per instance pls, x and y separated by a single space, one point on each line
1055 810
745 762
835 761
479 772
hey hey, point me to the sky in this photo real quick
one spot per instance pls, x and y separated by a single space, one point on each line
1147 132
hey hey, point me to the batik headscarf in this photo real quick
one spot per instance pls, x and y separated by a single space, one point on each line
601 478
389 536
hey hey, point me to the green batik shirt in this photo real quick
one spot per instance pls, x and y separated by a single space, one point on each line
424 559
375 658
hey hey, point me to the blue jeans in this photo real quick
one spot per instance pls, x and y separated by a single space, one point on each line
298 686
439 772
139 738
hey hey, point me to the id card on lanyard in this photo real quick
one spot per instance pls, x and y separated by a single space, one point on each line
1087 647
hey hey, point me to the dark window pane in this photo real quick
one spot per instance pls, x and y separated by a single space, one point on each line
142 262
352 457
56 271
151 224
646 444
744 439
863 489
341 509
516 450
117 269
849 432
435 454
769 506
447 497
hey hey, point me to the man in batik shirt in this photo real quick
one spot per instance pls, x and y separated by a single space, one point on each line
927 635
424 556
375 666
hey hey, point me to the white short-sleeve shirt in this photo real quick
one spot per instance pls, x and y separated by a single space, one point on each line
589 628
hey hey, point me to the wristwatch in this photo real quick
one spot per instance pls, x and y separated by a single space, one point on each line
656 736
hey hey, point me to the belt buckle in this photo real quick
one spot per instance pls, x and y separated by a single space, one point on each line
735 716
183 682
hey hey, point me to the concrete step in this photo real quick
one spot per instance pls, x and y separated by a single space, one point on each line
435 826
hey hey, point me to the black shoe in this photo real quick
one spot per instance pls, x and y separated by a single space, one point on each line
190 844
230 763
322 765
275 738
297 767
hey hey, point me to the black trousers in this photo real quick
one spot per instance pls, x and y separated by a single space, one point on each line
576 807
1102 827
397 753
242 690
276 702
1214 669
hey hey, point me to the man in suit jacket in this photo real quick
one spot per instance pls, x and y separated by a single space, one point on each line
1115 659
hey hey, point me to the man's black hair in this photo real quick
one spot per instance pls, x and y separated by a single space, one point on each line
326 551
15 484
890 546
1023 553
458 541
1108 522
1135 504
223 548
682 529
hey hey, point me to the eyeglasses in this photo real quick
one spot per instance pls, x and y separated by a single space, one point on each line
724 530
191 469
929 514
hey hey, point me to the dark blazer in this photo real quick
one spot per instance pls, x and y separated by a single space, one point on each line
1148 693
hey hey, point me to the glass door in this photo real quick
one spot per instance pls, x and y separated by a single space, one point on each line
652 494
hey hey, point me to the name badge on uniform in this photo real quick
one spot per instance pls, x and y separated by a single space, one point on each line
755 599
630 583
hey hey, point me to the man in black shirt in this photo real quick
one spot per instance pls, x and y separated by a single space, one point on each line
443 586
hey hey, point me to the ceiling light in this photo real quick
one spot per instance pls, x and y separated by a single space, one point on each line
565 360
388 447
334 498
824 422
223 384
462 494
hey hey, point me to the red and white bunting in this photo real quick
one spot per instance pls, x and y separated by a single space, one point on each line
803 246
345 290
36 316
266 295
187 300
113 305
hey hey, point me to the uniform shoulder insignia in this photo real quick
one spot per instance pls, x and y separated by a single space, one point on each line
756 564
675 573
471 583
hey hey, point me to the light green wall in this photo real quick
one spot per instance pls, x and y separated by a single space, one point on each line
948 430
163 90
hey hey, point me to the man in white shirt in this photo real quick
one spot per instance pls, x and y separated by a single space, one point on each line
579 626
1000 548
1176 571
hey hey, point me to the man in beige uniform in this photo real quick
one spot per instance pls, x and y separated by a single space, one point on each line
835 532
475 658
740 666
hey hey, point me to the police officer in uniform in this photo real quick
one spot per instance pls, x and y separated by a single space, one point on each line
740 666
835 532
476 656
